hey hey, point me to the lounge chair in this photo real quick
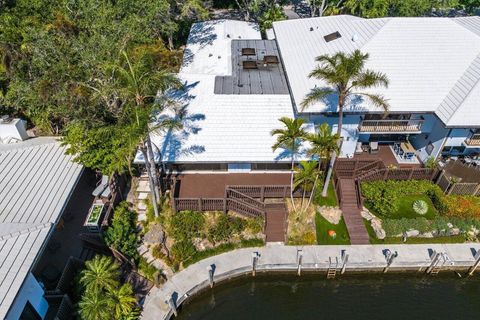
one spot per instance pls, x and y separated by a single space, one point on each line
101 186
359 149
373 147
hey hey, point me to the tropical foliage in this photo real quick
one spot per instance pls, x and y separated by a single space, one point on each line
122 234
345 78
289 139
103 296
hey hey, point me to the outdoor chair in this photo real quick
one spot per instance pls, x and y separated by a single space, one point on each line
373 147
359 148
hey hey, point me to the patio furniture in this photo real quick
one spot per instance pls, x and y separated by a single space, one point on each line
101 186
407 150
359 149
373 147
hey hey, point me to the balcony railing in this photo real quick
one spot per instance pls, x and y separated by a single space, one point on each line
474 140
380 126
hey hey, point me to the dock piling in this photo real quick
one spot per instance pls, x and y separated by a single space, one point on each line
344 261
299 261
210 270
172 305
255 257
475 265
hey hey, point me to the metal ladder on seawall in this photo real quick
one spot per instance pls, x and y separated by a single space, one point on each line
332 268
438 264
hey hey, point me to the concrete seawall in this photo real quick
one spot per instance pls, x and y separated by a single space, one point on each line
280 258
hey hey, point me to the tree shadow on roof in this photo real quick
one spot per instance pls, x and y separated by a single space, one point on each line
354 103
184 124
201 35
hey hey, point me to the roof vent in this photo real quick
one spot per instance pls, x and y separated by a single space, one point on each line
6 119
248 51
249 64
332 36
311 28
355 37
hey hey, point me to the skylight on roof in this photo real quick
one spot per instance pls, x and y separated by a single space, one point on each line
332 36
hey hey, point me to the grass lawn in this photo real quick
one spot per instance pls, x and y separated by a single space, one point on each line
330 200
449 239
323 226
405 208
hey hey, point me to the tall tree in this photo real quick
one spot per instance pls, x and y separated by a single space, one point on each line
100 273
345 77
322 145
122 301
94 306
142 85
289 138
305 177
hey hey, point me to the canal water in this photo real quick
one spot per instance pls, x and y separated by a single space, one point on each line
369 297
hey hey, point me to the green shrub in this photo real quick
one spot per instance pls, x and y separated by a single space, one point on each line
122 234
382 196
147 270
438 199
394 227
183 250
255 225
185 225
225 227
463 206
420 207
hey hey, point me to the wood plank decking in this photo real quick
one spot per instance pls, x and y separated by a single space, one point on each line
275 222
351 213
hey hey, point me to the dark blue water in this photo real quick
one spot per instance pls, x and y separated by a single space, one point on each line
369 297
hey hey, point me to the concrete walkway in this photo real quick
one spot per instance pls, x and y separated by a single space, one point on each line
277 257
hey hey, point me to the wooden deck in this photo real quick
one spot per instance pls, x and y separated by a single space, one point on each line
386 155
275 222
213 185
351 212
463 171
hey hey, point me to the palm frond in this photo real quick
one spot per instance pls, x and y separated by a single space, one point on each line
315 95
377 100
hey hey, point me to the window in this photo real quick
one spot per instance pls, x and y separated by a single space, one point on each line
332 36
29 313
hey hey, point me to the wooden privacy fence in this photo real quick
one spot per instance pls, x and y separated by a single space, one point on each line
457 188
209 204
398 174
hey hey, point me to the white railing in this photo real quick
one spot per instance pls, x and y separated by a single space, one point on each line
412 125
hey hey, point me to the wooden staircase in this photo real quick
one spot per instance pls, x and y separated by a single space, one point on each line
275 222
349 203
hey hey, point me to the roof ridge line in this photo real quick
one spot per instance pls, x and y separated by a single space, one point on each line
464 97
388 19
469 27
26 230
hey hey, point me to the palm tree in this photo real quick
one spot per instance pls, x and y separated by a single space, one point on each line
322 145
100 273
122 301
305 177
143 86
94 306
345 76
289 138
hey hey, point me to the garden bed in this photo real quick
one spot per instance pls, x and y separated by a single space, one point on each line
445 219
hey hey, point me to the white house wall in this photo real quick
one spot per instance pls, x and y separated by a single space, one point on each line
436 137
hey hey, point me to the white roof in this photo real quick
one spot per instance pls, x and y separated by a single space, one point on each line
221 127
208 48
224 127
427 60
36 179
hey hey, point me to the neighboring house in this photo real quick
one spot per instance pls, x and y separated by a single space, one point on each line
36 181
433 65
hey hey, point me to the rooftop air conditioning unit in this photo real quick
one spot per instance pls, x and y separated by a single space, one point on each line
12 130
